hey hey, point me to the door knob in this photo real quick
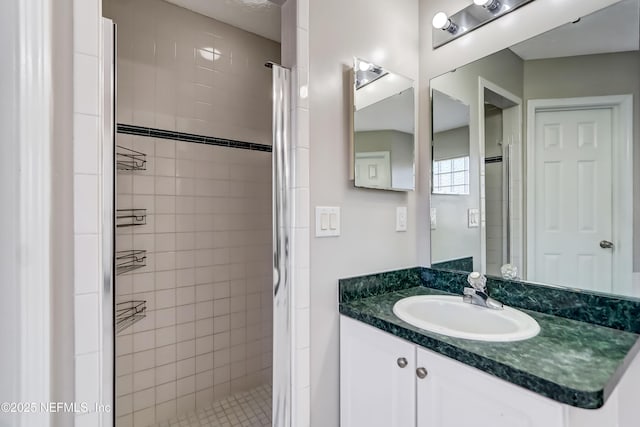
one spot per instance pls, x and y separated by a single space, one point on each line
421 373
605 244
402 362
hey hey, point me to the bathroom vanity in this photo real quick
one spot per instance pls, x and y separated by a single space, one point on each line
395 374
388 381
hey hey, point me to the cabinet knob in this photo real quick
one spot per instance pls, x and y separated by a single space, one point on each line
421 373
402 362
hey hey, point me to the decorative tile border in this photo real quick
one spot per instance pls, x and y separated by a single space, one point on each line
189 137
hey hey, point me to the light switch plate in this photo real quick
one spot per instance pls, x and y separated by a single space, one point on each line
474 218
401 218
434 219
327 221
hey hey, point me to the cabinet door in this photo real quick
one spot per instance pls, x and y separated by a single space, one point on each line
375 391
456 395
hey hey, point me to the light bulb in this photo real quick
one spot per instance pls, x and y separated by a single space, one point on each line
488 4
440 21
364 66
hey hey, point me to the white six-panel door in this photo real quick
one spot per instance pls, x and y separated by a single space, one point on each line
572 198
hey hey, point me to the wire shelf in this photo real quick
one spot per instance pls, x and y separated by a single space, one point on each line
130 260
129 312
131 217
130 160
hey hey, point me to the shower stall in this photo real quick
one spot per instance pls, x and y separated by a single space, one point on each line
201 283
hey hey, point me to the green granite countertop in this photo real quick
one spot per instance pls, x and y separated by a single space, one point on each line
569 361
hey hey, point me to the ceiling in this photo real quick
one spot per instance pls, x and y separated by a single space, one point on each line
612 29
260 17
449 114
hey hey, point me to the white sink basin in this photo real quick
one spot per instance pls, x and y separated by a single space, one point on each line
449 315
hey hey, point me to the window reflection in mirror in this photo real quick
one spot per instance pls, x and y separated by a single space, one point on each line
553 130
384 128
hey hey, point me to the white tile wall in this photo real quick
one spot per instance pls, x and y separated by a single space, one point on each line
87 184
182 71
494 202
295 27
208 235
207 283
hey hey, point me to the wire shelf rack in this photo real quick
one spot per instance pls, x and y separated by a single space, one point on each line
130 260
130 160
128 313
131 217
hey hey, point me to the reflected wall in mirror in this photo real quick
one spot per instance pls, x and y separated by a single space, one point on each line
450 145
553 156
383 128
452 177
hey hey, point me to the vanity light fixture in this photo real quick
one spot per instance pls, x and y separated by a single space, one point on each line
488 4
470 18
442 22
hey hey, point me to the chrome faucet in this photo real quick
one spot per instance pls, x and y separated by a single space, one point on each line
477 293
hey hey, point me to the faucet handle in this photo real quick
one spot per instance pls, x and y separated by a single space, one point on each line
477 281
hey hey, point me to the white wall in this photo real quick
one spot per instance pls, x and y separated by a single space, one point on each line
62 361
451 143
385 33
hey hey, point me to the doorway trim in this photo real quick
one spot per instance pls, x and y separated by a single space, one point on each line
482 85
622 178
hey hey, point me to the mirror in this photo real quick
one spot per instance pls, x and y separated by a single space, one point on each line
383 128
450 146
553 155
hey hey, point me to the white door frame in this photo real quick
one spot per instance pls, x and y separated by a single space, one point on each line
622 179
25 155
482 85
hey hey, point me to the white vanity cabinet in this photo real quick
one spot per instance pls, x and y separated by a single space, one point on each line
377 377
377 389
456 395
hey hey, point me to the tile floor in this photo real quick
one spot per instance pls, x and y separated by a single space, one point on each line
247 409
